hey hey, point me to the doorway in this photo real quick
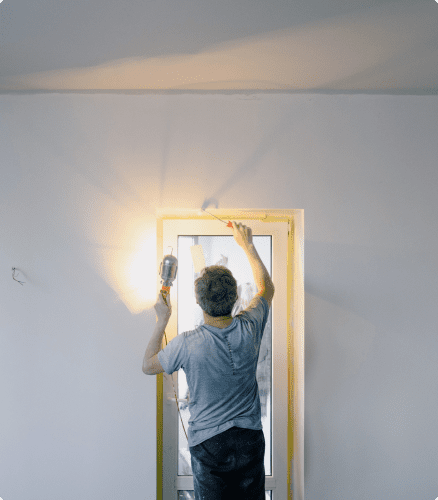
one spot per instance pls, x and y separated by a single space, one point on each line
201 240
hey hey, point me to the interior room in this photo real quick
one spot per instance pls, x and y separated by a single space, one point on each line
110 111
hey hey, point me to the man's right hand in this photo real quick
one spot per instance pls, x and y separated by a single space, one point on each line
242 234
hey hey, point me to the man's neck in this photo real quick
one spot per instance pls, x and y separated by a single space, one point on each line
218 321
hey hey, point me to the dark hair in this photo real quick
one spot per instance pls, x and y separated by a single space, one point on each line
216 290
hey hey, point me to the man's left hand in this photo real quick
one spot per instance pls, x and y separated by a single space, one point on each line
163 311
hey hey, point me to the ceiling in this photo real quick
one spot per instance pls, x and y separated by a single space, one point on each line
343 46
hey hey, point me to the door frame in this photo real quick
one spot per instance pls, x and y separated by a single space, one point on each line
294 303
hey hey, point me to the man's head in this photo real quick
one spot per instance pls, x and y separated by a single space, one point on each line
216 291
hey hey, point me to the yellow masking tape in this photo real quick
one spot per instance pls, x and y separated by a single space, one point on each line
197 257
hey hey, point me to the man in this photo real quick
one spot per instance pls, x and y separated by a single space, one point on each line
219 359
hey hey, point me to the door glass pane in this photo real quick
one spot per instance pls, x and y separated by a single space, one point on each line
222 250
190 495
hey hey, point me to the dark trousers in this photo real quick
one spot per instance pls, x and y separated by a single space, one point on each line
230 466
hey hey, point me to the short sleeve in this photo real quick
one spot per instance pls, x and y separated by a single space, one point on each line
172 356
256 314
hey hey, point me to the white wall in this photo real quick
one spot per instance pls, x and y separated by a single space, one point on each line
81 176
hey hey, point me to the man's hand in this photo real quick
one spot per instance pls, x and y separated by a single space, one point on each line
163 311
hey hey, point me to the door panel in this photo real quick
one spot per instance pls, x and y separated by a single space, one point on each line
272 242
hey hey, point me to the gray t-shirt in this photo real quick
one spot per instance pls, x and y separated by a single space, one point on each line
220 367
